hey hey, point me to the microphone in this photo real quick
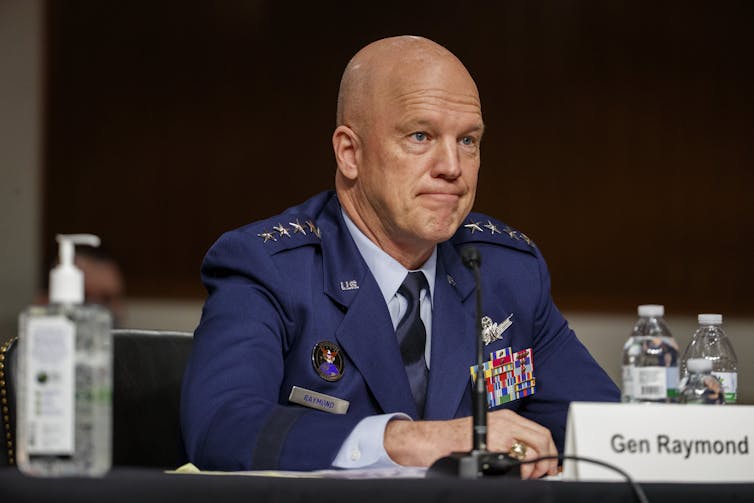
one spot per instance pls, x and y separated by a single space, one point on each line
472 260
479 462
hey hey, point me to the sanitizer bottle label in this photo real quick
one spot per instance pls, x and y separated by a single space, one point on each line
50 352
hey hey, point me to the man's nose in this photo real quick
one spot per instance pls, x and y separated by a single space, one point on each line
447 159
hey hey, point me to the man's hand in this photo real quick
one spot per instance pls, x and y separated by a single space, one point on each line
421 443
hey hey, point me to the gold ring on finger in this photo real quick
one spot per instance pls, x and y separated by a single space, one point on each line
518 450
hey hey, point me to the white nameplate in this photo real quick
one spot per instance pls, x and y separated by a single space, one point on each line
661 442
319 401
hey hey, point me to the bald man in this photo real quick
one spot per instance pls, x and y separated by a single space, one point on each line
341 332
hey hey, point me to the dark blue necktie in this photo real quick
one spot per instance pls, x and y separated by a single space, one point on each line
412 338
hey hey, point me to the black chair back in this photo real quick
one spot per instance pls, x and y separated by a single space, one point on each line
147 374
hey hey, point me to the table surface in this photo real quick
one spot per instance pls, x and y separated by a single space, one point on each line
149 485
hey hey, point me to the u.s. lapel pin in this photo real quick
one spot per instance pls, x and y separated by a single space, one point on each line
349 285
492 331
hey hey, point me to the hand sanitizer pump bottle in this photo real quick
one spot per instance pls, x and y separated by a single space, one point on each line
65 377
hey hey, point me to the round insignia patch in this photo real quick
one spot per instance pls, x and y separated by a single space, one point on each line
327 360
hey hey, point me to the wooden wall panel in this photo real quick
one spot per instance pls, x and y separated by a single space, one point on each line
619 133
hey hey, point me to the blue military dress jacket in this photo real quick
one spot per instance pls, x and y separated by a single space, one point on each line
279 287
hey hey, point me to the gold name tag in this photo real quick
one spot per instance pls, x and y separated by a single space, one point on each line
318 401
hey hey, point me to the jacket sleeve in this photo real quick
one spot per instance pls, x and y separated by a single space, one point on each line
564 369
233 416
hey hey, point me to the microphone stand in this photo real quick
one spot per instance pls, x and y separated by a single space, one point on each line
479 462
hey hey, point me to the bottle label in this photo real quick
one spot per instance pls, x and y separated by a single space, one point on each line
729 380
50 349
650 383
672 379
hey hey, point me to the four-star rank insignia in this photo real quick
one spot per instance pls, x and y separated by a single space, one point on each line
327 360
482 228
281 231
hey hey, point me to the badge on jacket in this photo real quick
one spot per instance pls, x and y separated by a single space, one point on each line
507 376
327 360
319 401
492 331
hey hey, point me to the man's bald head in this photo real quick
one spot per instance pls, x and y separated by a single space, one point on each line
389 65
407 145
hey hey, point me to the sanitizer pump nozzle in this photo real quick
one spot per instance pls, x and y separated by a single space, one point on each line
67 280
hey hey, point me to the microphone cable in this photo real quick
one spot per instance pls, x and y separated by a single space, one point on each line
641 497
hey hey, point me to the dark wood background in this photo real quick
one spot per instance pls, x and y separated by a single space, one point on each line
619 134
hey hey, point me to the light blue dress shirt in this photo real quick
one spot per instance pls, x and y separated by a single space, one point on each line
364 446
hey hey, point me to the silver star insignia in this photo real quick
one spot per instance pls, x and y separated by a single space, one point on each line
510 232
267 236
526 238
474 226
313 228
492 227
297 227
283 231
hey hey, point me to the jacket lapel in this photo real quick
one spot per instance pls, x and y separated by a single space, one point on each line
366 332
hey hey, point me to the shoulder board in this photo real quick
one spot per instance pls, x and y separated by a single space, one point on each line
479 228
285 231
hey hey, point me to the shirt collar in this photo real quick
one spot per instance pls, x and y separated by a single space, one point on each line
388 272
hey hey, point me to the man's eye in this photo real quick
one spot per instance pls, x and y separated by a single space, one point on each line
467 140
419 136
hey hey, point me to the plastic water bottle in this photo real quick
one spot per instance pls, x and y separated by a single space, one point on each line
711 343
650 359
700 386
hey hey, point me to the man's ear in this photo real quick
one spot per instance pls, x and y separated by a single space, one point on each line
347 147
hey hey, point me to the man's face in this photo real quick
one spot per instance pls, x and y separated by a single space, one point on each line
420 158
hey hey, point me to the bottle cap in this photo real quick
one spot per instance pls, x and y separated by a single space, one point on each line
651 310
67 280
697 365
710 319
